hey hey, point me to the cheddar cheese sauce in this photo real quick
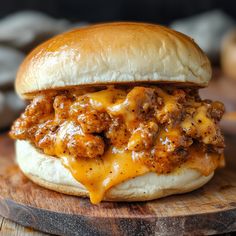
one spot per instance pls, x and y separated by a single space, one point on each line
100 174
107 136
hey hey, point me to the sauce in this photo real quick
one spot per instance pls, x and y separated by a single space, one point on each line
116 166
98 175
109 136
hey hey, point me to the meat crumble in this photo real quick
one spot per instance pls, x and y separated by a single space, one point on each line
159 125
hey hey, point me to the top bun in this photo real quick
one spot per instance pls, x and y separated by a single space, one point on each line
120 52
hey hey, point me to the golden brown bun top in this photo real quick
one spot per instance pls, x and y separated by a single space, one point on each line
120 52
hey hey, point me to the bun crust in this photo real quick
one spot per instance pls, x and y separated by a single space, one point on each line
122 52
47 171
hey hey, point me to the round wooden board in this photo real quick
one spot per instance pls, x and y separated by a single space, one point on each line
209 210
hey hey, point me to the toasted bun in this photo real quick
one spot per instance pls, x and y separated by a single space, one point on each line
48 172
113 53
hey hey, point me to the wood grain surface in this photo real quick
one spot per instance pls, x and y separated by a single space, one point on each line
209 210
9 228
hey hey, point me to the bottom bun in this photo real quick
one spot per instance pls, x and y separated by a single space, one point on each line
49 172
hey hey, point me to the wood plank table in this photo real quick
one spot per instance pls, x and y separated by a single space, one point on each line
209 210
9 228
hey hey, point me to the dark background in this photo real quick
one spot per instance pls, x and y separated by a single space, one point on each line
160 11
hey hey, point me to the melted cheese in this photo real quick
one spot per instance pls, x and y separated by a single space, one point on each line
170 102
102 100
115 166
202 125
113 101
98 175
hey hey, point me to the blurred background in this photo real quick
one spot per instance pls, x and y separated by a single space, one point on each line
211 23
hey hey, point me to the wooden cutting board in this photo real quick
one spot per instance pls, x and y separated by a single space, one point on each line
209 210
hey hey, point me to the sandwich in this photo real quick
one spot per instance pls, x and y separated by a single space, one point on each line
114 114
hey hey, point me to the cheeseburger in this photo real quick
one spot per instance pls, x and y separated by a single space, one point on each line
114 114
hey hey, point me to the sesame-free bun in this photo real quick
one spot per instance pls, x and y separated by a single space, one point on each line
121 52
49 172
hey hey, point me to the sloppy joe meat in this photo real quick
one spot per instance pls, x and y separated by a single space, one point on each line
159 125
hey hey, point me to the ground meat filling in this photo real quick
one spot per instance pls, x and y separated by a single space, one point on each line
158 125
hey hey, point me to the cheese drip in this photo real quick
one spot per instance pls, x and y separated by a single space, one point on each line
100 174
116 166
